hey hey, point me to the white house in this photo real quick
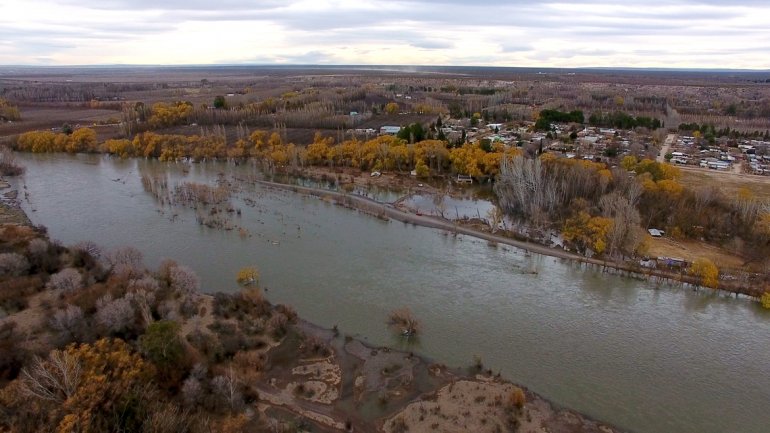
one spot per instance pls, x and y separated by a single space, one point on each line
389 130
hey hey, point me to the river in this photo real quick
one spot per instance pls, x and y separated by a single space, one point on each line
645 358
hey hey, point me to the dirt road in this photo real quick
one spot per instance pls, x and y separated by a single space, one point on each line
387 210
670 139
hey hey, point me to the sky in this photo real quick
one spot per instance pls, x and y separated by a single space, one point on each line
713 34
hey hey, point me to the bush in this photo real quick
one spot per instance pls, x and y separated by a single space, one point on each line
517 398
14 293
277 326
12 354
116 315
69 325
183 280
67 280
12 264
766 300
37 247
161 345
8 165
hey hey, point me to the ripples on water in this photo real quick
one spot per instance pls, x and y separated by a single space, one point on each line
645 359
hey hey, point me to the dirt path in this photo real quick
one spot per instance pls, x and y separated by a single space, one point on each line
390 211
670 138
383 209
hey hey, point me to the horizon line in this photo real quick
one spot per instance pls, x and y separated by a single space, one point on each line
399 66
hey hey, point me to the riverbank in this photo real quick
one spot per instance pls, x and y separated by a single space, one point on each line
10 210
389 211
314 376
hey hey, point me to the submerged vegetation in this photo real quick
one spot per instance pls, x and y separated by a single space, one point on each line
92 340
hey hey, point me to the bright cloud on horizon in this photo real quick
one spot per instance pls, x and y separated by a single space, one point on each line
585 33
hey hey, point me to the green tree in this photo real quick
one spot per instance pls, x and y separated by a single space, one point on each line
161 345
220 102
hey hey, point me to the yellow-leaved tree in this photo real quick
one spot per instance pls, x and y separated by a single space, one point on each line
391 108
586 231
765 299
248 276
706 272
94 386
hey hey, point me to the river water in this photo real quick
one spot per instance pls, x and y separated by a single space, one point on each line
645 358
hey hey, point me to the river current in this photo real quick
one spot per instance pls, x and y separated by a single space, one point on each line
644 357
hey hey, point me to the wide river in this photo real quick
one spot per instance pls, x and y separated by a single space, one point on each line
645 358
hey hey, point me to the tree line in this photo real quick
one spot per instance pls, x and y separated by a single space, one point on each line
621 120
426 156
8 111
605 209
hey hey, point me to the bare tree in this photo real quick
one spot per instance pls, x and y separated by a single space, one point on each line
184 280
168 310
12 264
90 248
624 235
494 218
705 196
37 247
404 321
115 314
126 256
166 419
53 379
8 164
67 320
525 189
191 391
227 387
143 294
66 280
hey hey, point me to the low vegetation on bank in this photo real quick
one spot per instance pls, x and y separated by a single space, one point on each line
599 209
92 340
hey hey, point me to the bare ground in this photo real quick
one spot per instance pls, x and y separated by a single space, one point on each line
728 182
691 250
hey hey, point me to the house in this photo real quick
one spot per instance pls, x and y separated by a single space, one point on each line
656 233
389 130
464 178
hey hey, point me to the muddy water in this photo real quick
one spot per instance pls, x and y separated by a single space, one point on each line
644 358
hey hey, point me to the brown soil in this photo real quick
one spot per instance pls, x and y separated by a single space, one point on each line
380 389
691 250
727 182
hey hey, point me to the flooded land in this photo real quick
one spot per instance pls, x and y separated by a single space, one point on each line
638 355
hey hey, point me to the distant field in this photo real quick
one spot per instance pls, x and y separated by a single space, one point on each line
728 183
36 118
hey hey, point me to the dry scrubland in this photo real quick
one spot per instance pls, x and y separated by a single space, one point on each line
730 184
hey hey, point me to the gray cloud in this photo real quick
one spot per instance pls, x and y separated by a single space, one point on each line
332 31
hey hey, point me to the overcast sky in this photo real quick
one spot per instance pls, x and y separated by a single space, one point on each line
583 33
